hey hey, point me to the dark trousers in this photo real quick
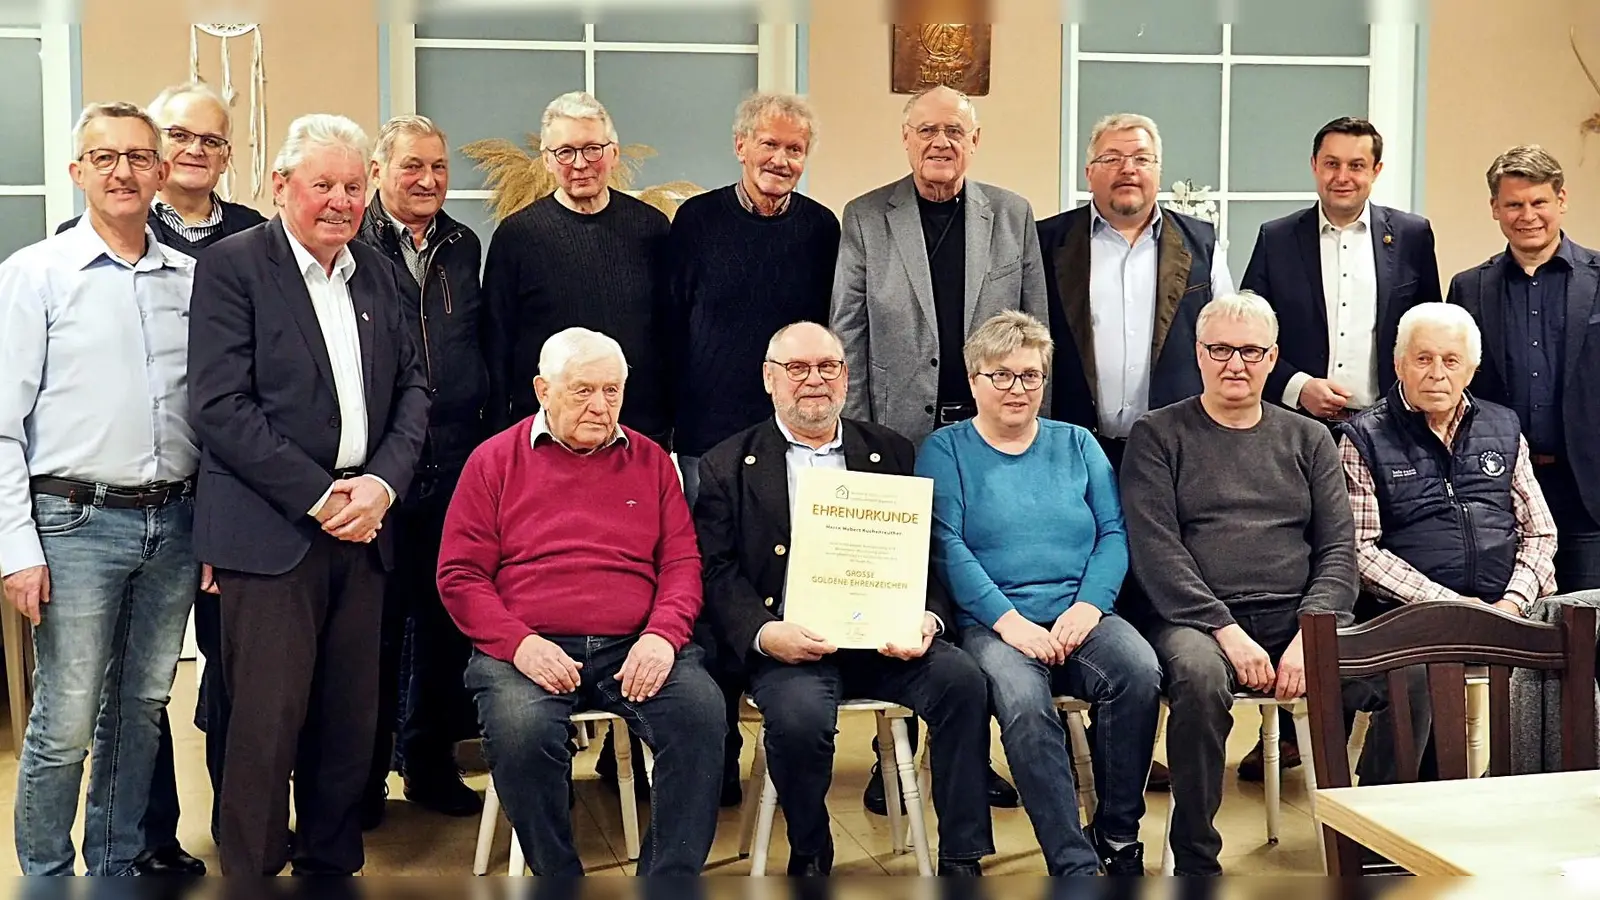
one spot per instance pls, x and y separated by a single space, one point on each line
525 731
800 705
211 716
731 679
1200 683
300 657
1577 534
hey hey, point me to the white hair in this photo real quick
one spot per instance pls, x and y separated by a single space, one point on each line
758 108
1448 317
963 102
575 105
318 130
1245 306
158 106
1123 122
575 346
415 126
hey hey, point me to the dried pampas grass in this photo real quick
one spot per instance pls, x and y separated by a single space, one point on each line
516 176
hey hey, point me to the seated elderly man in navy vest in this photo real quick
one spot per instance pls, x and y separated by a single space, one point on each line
1445 502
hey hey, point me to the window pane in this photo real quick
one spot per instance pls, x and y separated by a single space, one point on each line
1277 111
22 109
680 104
437 20
21 223
685 26
1245 218
1184 100
1149 26
1302 27
477 94
474 214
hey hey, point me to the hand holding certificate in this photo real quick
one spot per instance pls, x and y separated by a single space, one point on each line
858 561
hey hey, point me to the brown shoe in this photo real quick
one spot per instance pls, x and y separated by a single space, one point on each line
1160 779
1253 766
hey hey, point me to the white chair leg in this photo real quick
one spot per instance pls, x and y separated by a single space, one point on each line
583 735
905 762
769 809
630 806
753 788
891 784
924 781
487 824
519 864
1082 764
1302 733
1477 746
1271 766
1168 864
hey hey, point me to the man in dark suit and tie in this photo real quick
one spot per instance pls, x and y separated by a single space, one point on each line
1537 306
1340 275
742 517
311 405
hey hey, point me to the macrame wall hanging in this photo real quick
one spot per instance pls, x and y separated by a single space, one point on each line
258 98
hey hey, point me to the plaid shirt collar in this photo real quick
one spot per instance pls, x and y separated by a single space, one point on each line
750 205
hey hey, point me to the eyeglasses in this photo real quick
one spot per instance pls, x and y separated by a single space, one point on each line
183 137
1141 161
829 369
106 161
569 155
929 133
1005 380
1224 352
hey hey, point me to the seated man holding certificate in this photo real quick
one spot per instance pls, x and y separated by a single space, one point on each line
797 676
569 560
1028 536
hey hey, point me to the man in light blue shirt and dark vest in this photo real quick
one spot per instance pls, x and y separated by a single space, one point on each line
97 466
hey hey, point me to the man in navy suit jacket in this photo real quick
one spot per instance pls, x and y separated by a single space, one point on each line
1538 306
310 402
1340 275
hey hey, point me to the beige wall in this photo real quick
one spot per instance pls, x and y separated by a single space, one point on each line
1501 74
1020 146
321 56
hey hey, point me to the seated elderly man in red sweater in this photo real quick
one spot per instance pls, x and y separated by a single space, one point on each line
569 560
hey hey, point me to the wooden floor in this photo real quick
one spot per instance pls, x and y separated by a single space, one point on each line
412 841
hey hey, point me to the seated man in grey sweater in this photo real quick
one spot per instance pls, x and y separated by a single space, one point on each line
1238 522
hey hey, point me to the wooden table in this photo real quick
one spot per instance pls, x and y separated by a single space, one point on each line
1516 825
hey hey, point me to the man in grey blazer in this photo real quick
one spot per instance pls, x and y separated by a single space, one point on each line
924 260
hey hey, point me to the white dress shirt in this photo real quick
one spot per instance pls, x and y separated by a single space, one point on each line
1122 306
1350 292
93 373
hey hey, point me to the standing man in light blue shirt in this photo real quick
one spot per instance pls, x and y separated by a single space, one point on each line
1126 281
97 466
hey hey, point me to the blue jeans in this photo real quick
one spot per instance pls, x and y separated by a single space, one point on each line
689 467
107 645
525 742
1114 670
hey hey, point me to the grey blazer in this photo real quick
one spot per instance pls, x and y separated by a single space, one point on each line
883 295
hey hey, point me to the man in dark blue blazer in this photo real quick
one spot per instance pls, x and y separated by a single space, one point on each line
1538 306
1340 275
310 402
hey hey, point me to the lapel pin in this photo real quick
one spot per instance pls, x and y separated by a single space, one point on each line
1388 239
364 317
749 460
875 457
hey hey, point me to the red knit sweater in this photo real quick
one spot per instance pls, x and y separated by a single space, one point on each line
545 541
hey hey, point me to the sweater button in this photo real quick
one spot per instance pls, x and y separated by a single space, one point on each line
749 460
768 602
779 550
875 457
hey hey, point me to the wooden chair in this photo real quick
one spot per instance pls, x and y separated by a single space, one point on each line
1447 637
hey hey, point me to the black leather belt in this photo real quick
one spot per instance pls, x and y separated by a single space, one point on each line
347 474
89 493
951 413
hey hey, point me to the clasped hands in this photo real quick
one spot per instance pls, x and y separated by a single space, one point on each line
1052 645
790 643
354 509
1253 669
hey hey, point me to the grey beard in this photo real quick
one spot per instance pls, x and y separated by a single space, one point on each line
794 413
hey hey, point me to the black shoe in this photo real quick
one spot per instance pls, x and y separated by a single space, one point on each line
732 792
804 865
444 792
1001 794
373 806
1160 779
874 798
968 868
1128 861
172 860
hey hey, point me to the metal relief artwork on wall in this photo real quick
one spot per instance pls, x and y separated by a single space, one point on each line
926 56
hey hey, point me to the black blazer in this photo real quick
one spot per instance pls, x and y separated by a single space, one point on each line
1286 269
262 401
742 520
1481 291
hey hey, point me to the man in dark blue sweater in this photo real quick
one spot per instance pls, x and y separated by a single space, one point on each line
188 216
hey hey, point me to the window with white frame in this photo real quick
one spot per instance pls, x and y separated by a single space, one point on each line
35 191
1239 102
670 80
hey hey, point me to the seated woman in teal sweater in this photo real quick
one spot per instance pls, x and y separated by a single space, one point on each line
1028 537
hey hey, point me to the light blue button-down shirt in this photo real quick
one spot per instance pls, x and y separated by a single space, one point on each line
1122 305
93 385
